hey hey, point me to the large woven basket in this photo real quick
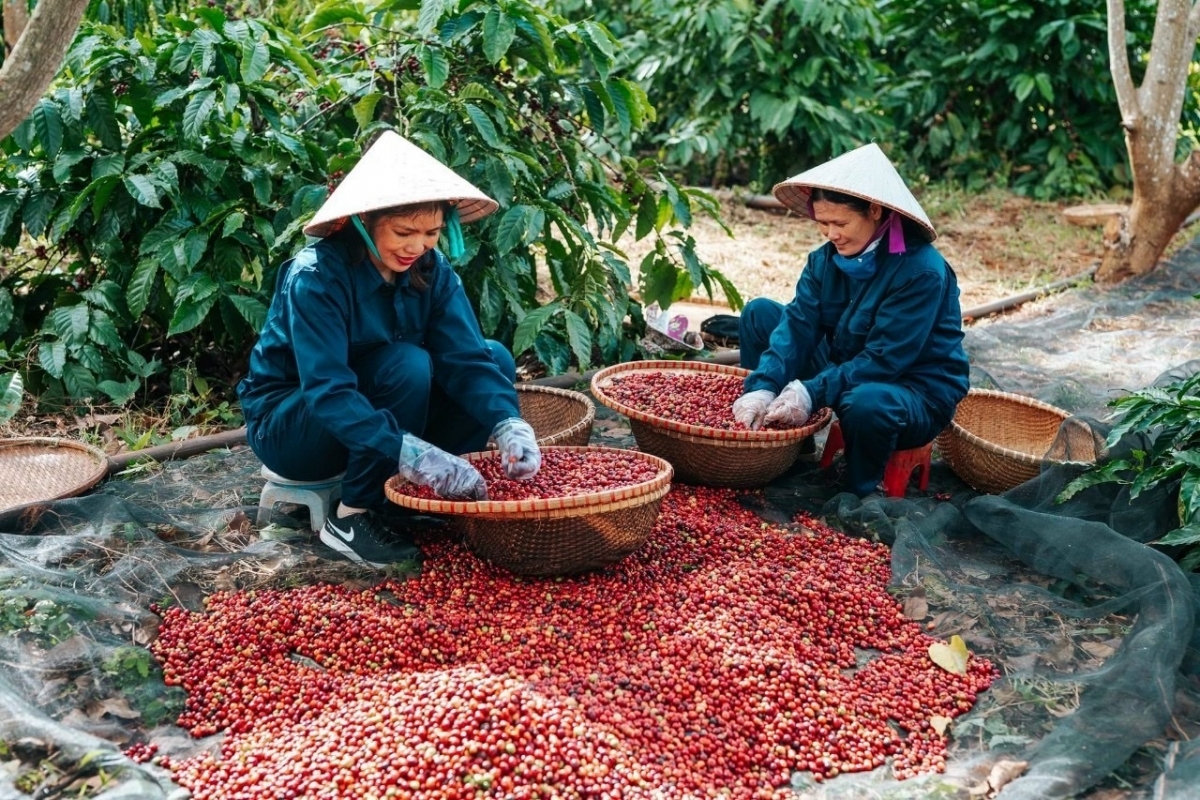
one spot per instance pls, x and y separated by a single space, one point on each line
557 416
39 469
999 440
703 455
554 536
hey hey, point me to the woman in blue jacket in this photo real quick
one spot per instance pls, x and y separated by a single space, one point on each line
874 331
371 360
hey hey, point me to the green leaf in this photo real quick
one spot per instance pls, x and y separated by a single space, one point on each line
143 190
1045 87
36 211
232 223
12 392
6 309
197 112
9 203
437 68
364 109
52 356
498 33
622 101
191 313
1189 534
109 164
101 115
256 58
120 392
79 380
141 283
647 216
431 14
483 124
1022 86
580 337
49 126
531 325
595 107
253 311
64 162
511 230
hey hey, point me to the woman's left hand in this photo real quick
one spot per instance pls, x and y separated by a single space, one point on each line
519 452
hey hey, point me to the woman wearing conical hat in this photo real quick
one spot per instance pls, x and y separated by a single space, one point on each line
371 360
874 331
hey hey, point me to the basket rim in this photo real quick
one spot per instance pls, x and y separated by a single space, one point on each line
51 443
608 500
586 421
605 376
1016 455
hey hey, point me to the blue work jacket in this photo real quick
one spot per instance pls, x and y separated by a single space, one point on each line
901 326
331 306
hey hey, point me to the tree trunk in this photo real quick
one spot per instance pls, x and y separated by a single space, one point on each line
35 59
16 17
1164 192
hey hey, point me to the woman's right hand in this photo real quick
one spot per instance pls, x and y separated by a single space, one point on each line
751 408
451 477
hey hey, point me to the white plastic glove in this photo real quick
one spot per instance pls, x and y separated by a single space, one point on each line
450 476
519 452
751 408
792 408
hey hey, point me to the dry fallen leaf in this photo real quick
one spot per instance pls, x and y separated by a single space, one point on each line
1100 650
951 657
939 724
1002 773
916 608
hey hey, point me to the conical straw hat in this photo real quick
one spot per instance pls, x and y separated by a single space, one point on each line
866 173
395 172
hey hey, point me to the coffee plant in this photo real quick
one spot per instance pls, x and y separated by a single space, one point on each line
530 107
1170 417
170 171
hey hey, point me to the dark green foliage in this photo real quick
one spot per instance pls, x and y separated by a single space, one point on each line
1170 415
170 172
165 180
1009 91
750 91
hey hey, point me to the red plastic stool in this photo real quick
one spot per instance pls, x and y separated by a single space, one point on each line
899 468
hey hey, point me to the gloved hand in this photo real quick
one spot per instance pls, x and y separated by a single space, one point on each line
519 452
792 408
751 408
450 476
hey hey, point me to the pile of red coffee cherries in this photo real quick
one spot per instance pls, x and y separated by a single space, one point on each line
702 398
564 473
719 659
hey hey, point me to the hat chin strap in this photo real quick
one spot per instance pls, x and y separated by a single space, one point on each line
358 223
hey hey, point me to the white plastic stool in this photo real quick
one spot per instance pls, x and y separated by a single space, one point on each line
317 495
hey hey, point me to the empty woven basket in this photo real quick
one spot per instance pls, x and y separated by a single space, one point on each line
38 469
553 536
702 455
557 416
1000 440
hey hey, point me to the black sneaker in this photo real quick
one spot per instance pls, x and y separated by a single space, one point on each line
363 538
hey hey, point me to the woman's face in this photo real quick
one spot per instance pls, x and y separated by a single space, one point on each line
401 240
849 230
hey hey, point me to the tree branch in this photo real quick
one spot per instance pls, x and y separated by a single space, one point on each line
1118 65
36 58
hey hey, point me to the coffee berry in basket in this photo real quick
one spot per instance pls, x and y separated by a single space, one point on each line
563 474
703 399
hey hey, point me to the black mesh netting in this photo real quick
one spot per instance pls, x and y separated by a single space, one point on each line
1093 631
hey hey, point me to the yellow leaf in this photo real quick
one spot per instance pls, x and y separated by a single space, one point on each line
951 657
939 723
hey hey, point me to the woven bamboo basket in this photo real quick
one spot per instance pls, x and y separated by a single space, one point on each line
553 536
37 469
703 455
557 416
999 440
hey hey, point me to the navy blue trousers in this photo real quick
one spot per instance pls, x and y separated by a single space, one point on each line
397 378
876 418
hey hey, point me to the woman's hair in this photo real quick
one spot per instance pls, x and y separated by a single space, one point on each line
913 231
840 198
418 275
